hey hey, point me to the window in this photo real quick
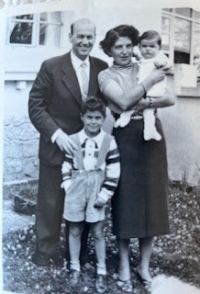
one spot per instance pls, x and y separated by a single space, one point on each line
166 29
182 44
181 35
35 29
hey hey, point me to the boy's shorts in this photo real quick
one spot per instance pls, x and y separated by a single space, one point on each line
81 196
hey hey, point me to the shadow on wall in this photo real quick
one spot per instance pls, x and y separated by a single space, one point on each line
181 124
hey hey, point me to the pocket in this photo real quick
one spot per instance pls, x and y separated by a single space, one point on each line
71 187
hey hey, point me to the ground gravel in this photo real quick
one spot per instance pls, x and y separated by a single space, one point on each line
176 254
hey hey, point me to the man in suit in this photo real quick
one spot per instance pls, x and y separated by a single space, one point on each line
54 109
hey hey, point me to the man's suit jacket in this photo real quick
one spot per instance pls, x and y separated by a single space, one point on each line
55 102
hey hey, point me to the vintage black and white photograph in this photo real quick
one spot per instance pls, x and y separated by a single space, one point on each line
100 147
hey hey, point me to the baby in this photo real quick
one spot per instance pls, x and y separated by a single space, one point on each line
150 56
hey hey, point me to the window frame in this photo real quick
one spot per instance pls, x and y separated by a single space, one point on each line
35 41
172 15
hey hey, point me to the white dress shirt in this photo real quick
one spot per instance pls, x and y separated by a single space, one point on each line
76 63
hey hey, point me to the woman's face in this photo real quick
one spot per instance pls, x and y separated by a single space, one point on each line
122 51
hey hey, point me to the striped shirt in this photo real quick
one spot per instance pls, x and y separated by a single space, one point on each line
90 147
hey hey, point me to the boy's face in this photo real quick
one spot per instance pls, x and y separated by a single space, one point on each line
92 121
149 48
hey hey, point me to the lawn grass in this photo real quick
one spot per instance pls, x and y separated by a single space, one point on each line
177 254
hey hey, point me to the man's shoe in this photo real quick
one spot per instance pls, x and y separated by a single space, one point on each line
40 261
101 284
74 277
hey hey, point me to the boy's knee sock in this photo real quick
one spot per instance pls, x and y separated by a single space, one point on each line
101 269
75 265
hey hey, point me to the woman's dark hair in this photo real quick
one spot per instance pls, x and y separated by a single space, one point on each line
114 34
92 103
151 35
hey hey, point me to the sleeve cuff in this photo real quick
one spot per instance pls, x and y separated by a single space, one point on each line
55 135
66 184
104 195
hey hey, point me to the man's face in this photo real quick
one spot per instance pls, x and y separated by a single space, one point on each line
82 39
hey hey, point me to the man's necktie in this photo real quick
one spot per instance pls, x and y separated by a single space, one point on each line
85 82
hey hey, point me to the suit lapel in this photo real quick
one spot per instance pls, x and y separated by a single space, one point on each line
70 79
93 84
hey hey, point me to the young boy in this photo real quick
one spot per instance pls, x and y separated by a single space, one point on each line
90 177
150 57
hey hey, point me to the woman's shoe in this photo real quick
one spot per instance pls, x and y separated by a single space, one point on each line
125 286
147 283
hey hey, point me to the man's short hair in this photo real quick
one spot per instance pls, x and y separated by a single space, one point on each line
92 103
84 20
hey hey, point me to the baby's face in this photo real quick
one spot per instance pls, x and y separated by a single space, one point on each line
149 48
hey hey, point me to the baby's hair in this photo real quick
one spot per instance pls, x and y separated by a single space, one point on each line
92 103
151 35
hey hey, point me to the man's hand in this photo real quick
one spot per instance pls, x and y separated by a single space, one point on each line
99 202
65 143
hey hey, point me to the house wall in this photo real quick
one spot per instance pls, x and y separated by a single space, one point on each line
181 122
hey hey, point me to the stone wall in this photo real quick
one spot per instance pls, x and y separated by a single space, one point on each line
20 149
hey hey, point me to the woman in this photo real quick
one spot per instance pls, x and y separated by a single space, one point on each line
140 202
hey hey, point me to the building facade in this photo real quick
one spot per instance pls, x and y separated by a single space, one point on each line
30 38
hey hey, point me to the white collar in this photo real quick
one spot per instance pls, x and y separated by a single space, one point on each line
76 62
98 139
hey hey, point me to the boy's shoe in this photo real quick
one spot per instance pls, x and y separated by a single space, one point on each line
74 277
101 284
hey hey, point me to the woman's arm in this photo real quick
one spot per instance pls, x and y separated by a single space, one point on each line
125 100
168 99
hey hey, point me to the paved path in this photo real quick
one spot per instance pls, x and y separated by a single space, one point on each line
13 220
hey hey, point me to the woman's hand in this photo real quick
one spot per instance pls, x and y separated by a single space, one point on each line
142 104
168 99
157 75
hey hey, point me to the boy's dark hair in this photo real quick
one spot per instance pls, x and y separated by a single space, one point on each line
151 35
92 103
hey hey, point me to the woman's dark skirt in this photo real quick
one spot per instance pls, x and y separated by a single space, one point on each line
140 202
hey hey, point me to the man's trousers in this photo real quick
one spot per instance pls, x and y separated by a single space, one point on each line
49 216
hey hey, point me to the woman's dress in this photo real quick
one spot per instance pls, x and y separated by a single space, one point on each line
140 202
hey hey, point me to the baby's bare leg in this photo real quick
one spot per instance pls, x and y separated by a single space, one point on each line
150 131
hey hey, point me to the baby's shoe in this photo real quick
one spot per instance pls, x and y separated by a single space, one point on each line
124 119
122 122
151 134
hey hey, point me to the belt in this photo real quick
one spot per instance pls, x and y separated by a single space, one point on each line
137 117
134 117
